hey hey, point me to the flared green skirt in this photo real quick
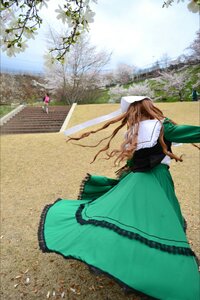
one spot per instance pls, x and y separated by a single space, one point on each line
131 229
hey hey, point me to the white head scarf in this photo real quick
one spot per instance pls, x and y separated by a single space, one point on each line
126 101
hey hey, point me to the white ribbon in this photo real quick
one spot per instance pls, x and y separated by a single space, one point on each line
125 103
92 122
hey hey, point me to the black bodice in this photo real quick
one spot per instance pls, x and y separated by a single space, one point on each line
147 158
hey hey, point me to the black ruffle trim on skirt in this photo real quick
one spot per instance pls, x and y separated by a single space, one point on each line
41 239
43 247
82 185
132 235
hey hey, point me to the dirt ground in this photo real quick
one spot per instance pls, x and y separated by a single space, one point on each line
36 169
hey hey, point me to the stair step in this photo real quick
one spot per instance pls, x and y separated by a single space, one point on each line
31 127
35 120
25 130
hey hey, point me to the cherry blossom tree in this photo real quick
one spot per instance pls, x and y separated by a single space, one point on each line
141 88
79 78
109 78
138 89
124 73
117 92
197 84
174 83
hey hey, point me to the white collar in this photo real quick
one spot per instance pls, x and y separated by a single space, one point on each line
148 133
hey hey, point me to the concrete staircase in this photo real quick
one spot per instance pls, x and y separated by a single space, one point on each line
35 120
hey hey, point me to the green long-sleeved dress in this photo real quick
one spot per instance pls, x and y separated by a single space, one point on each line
129 228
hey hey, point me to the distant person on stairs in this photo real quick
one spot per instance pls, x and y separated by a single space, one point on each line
46 101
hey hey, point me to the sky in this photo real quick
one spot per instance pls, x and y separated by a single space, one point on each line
137 32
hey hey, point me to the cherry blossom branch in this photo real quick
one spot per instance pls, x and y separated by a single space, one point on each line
20 19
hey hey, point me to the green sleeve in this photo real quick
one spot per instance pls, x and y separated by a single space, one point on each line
181 133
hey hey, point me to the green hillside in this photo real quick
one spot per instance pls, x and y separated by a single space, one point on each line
193 72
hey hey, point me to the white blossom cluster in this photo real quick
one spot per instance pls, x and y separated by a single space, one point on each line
134 90
86 15
77 14
173 79
197 84
20 21
174 82
193 5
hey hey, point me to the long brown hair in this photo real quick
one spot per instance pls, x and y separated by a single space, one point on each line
136 112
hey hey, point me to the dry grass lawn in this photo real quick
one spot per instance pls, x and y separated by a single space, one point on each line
39 168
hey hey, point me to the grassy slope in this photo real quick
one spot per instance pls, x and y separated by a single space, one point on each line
5 109
39 168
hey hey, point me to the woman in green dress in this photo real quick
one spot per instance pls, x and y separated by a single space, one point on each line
131 228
